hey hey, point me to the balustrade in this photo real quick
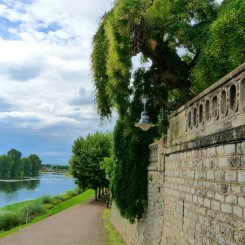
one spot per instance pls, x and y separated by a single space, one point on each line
224 102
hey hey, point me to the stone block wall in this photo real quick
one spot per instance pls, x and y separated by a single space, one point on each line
196 175
204 192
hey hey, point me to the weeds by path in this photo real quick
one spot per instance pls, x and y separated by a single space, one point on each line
113 238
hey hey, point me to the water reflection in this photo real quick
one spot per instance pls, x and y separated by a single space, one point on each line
11 187
46 184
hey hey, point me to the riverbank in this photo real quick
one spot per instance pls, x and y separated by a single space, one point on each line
80 224
46 184
16 180
19 215
77 225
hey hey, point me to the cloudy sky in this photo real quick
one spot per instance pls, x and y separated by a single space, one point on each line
46 90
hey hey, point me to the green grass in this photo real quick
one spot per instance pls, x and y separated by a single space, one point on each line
15 208
113 238
81 198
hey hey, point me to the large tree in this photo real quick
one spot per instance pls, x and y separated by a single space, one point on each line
188 44
87 153
16 170
6 163
35 163
27 166
13 166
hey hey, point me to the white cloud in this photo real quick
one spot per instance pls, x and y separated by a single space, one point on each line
45 78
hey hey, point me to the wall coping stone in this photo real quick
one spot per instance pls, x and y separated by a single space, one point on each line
214 114
224 137
211 88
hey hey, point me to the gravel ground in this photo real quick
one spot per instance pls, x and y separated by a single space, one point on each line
80 224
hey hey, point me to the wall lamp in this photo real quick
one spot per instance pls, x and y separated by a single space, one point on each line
144 122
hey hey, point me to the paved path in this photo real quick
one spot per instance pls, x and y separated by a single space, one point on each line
80 224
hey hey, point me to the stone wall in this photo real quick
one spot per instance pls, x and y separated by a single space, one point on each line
197 174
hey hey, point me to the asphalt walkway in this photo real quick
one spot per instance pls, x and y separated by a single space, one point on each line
80 224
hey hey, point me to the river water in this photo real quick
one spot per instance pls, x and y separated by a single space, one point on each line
46 184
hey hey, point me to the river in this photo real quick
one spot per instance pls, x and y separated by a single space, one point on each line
45 184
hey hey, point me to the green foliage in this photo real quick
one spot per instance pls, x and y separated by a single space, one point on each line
19 216
99 57
189 44
6 163
46 199
85 161
16 169
107 165
107 162
8 220
36 164
224 50
13 166
32 210
113 238
56 200
68 194
54 168
35 210
155 29
129 188
48 205
130 154
27 166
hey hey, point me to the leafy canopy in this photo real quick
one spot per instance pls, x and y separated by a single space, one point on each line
87 153
13 166
188 44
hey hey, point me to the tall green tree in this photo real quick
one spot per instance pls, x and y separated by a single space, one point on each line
12 166
15 155
27 166
6 163
188 44
36 164
224 49
87 153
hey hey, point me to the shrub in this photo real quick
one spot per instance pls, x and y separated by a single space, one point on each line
56 200
78 190
48 205
32 210
69 194
46 199
8 220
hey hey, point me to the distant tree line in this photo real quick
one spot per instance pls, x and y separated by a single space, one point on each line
52 167
13 166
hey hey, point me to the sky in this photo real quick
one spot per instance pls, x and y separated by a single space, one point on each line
46 88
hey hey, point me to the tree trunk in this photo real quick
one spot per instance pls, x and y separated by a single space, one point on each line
103 193
95 194
99 192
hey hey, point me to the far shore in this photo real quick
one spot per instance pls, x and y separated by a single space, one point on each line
36 177
16 180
